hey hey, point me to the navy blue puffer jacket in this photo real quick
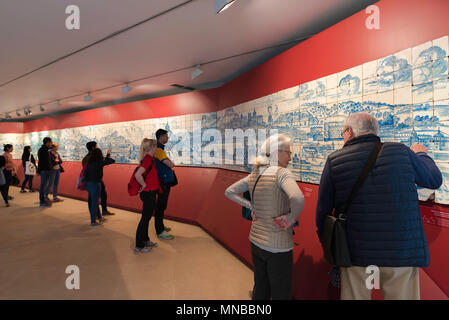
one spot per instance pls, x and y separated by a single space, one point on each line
384 224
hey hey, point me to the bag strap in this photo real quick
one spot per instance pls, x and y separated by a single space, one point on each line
365 172
254 188
147 172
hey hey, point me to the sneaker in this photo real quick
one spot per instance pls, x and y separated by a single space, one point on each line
142 250
96 224
10 198
7 205
150 244
22 191
102 220
164 235
57 200
108 213
44 205
31 190
168 229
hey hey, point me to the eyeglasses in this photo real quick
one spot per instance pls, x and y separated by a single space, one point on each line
287 151
343 132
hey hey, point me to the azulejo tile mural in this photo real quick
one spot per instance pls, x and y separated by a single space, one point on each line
407 91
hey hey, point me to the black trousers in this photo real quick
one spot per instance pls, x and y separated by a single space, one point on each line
161 205
104 197
272 274
149 202
5 188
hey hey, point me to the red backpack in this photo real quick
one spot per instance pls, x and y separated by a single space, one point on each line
81 182
133 185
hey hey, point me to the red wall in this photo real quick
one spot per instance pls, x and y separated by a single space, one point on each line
199 196
11 127
181 104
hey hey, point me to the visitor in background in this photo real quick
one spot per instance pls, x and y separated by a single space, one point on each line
383 222
44 169
10 168
164 166
148 178
56 163
93 177
3 181
276 204
27 157
91 145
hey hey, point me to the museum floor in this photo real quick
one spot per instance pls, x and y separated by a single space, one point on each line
37 245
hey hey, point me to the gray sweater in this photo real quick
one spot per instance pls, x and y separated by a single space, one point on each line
291 200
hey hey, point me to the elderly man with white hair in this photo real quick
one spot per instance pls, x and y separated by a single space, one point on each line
276 204
383 222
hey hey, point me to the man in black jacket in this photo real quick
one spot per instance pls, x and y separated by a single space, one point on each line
44 168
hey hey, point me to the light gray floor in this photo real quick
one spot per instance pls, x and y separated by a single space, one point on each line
36 246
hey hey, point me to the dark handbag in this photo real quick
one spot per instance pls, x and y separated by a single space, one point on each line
15 181
246 213
175 181
334 238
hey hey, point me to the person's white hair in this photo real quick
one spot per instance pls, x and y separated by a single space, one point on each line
362 123
269 149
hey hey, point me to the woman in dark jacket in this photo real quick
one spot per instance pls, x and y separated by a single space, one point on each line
27 156
93 176
3 186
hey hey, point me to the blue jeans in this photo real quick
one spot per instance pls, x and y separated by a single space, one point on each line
45 183
93 188
55 174
29 179
50 182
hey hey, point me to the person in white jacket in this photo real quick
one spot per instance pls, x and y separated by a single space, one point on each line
276 202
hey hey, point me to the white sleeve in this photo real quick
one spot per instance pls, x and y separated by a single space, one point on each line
233 192
287 182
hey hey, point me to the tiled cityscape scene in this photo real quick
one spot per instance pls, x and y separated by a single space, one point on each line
408 92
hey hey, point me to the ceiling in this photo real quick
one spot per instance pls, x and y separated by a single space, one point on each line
156 42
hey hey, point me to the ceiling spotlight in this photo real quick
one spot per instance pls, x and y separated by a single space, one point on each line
88 97
197 72
126 88
25 111
222 5
18 113
29 111
7 116
42 108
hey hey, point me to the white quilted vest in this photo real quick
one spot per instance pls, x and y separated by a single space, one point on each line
269 202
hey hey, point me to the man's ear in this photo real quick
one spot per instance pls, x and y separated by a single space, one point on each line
351 133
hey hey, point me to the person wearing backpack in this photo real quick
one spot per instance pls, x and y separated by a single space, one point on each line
146 175
27 157
167 179
276 204
93 176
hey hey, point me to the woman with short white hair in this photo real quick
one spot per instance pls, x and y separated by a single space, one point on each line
276 202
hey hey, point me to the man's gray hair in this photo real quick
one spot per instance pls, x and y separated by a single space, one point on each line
362 123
